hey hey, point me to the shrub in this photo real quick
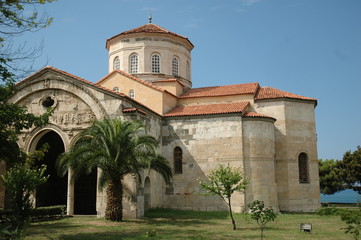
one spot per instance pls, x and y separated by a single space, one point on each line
353 221
37 214
261 214
42 213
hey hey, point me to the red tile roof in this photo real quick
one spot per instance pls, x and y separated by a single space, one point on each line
134 78
272 93
150 28
57 70
210 109
236 89
85 81
131 110
257 115
168 80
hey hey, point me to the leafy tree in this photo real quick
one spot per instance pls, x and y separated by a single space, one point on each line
353 221
350 169
224 181
14 21
261 214
118 148
330 181
20 182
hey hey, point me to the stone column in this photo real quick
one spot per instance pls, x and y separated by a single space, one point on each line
70 199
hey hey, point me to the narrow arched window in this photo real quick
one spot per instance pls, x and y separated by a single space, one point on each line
134 63
132 94
303 168
155 63
116 63
175 66
178 160
116 89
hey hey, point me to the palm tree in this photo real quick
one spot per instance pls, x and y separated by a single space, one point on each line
117 148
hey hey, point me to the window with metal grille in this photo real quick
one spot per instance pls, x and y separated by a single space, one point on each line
175 66
134 63
155 63
178 160
303 168
116 63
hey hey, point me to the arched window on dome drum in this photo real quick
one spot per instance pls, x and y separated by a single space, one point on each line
132 94
175 66
178 160
134 63
116 63
303 168
155 63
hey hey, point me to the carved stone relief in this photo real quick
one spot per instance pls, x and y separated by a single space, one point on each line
69 110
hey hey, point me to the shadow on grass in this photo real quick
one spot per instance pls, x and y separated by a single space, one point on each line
184 214
183 217
168 224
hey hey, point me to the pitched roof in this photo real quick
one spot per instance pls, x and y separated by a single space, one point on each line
273 93
134 78
257 115
87 82
235 89
56 70
168 80
211 109
150 28
132 110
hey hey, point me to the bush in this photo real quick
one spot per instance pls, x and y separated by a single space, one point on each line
353 221
37 214
328 211
332 211
43 213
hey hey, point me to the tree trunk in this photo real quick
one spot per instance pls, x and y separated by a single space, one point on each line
114 208
230 212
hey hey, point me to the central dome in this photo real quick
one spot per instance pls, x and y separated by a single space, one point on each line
151 53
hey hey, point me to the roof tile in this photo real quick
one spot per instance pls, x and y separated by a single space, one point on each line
194 110
150 28
257 115
131 110
235 89
272 93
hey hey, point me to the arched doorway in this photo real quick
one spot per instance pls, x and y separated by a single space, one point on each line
147 201
54 191
85 193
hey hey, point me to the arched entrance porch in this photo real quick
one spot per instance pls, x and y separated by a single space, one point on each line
54 191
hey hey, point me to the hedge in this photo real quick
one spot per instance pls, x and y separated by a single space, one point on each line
38 214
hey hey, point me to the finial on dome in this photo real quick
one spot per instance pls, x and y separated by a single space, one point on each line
150 17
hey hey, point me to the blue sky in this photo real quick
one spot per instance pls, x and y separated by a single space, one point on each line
308 47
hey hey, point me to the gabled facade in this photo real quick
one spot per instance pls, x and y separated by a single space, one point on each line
270 133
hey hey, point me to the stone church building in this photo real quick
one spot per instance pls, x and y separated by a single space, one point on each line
268 132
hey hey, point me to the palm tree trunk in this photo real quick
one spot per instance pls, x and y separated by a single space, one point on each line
114 208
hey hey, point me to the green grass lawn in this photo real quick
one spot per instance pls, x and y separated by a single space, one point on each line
172 224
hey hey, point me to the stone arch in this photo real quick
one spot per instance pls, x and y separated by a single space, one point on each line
72 86
36 134
54 191
147 194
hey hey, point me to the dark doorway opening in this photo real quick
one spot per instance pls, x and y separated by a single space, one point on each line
54 191
85 193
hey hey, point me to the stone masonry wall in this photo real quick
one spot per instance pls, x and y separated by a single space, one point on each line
206 142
